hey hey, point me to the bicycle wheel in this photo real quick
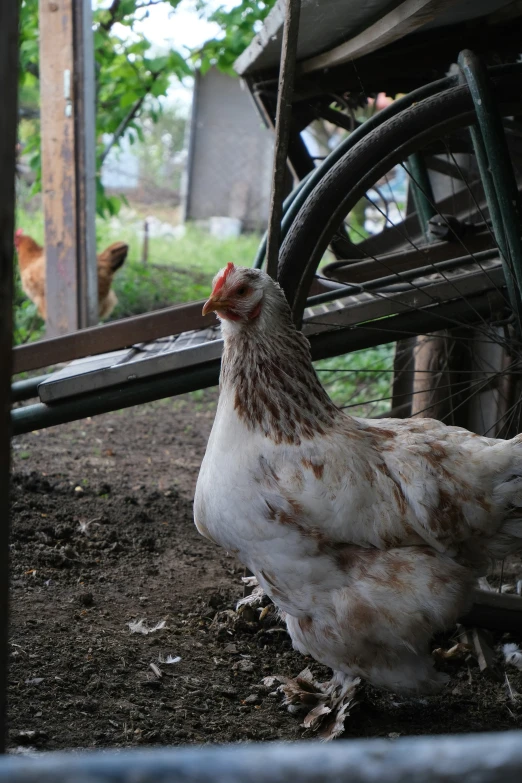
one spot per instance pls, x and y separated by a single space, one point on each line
400 271
390 145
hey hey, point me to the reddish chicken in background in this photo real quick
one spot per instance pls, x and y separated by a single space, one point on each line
31 259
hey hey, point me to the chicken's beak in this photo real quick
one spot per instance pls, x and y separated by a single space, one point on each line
214 304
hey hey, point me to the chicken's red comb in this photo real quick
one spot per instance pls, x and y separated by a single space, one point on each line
19 232
220 282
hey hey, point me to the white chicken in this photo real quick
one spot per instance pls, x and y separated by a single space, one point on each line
367 534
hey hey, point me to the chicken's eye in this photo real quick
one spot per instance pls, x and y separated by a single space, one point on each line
242 290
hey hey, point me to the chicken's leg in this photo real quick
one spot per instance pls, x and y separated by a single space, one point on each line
328 704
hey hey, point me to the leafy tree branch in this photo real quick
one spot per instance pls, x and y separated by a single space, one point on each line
124 124
130 79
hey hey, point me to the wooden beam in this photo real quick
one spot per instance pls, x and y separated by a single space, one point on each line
497 611
111 337
323 346
8 128
402 386
406 18
67 105
58 174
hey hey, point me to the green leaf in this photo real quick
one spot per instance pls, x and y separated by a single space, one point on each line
129 99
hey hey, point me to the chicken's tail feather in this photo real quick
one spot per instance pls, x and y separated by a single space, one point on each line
114 256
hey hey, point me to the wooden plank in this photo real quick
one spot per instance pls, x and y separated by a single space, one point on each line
111 337
58 169
431 395
496 611
8 127
408 17
85 161
270 29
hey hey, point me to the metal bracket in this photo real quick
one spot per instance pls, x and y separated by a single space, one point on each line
500 187
422 192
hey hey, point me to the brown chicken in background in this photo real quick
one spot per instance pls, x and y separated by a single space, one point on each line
31 259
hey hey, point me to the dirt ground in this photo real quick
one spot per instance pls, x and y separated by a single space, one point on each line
103 536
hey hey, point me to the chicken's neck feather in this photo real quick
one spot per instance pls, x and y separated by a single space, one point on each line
268 376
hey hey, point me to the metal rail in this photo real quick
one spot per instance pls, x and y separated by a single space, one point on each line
492 153
481 758
365 270
397 278
26 389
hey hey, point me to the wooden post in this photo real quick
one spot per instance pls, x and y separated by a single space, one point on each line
68 166
85 154
8 127
431 379
145 250
403 371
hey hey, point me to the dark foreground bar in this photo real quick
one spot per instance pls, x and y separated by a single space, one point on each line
478 758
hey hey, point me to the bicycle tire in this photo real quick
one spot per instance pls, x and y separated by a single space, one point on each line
378 152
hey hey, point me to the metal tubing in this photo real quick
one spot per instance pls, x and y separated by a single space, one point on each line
481 758
39 416
422 191
283 125
496 222
396 278
26 389
499 161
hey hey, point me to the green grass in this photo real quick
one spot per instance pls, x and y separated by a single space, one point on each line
356 378
179 269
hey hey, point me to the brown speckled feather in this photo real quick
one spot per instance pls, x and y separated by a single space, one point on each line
368 535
